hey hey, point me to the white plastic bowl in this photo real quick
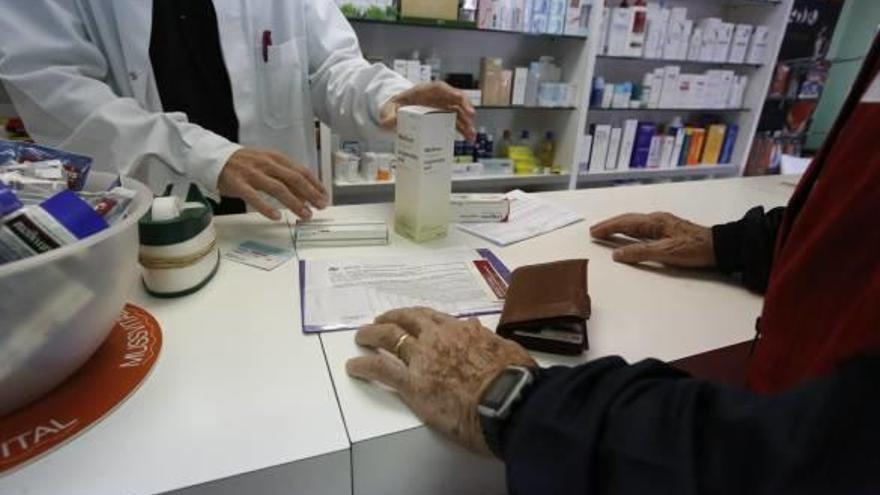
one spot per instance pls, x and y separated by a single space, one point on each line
57 308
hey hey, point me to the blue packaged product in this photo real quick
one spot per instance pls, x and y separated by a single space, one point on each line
76 167
9 202
60 220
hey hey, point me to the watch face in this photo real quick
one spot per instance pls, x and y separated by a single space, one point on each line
495 396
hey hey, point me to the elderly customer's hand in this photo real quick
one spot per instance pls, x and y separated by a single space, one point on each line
667 239
441 369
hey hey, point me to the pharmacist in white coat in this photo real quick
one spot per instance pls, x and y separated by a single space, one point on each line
222 93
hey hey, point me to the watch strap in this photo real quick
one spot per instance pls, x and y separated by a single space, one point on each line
493 427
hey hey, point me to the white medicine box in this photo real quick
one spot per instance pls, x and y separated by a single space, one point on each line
425 138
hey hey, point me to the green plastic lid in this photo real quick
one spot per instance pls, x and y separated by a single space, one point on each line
190 223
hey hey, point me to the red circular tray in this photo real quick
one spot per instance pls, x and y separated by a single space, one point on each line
116 370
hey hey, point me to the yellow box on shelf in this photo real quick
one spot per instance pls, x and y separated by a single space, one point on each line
430 9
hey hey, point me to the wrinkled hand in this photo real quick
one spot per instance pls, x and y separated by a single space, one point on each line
249 172
437 95
445 365
670 240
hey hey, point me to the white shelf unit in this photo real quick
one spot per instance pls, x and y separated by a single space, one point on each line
461 50
773 14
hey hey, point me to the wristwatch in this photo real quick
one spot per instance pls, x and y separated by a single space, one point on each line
498 402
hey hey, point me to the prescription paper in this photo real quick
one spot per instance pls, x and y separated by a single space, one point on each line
345 294
529 217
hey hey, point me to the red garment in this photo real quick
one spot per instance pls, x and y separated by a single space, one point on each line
823 302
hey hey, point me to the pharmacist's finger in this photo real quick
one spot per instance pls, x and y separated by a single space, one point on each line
380 368
410 319
280 192
301 178
302 187
632 224
466 130
252 197
457 98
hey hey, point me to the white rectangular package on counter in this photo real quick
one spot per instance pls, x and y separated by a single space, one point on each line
530 216
479 208
425 138
329 232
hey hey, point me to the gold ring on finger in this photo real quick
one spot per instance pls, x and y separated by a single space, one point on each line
399 345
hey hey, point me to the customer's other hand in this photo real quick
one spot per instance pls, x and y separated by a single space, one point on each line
668 239
437 95
250 172
445 364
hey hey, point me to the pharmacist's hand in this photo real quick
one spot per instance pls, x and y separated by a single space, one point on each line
668 240
250 172
445 364
437 95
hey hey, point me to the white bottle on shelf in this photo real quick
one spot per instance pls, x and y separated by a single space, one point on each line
638 30
620 22
695 46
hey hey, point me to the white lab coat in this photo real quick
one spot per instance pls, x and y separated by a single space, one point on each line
79 73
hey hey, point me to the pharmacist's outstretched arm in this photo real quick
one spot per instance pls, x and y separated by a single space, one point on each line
355 97
64 100
743 248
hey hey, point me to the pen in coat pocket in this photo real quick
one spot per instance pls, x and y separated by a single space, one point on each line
267 42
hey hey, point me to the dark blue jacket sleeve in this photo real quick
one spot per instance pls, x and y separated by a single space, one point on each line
609 428
745 247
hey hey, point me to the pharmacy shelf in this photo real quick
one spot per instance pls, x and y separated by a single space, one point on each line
494 179
691 63
461 47
667 110
456 26
374 191
688 172
530 108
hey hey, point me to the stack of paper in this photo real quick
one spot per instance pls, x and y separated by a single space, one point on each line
342 294
529 217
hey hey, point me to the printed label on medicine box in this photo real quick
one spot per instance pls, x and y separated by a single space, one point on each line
425 138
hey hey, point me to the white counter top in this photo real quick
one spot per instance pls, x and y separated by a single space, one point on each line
638 312
242 402
237 388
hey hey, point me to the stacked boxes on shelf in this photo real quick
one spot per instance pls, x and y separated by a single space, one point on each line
554 17
642 144
668 87
568 17
656 32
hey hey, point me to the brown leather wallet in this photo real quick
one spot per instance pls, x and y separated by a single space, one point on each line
547 307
